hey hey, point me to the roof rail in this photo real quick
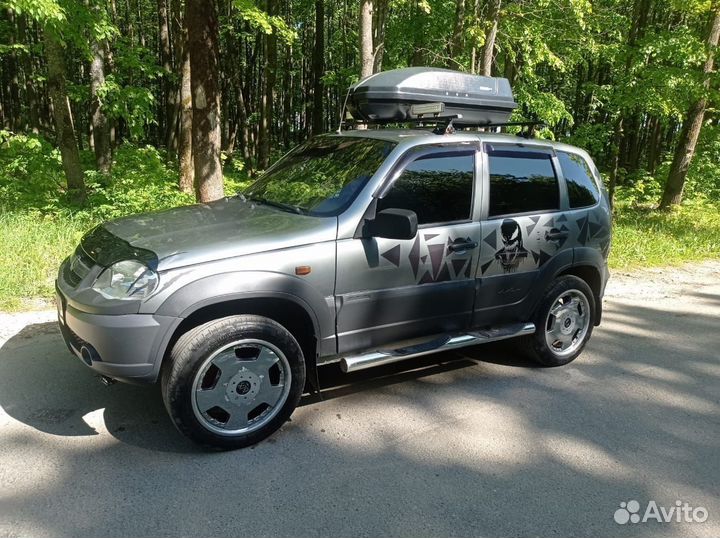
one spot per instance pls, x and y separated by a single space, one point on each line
444 124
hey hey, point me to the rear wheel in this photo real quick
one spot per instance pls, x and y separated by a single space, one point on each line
233 381
564 322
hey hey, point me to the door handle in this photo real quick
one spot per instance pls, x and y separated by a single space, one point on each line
555 235
462 246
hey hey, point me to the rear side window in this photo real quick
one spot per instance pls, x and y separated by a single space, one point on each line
438 187
522 182
582 189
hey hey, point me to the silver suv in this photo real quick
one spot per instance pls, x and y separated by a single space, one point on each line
364 248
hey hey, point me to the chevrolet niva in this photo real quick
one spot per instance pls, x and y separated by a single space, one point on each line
363 247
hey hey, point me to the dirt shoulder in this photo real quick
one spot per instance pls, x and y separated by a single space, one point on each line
662 282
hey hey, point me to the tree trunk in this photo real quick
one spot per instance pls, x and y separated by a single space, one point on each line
185 148
318 68
685 149
456 40
366 38
381 14
202 26
615 160
169 17
33 119
65 131
268 94
488 50
99 122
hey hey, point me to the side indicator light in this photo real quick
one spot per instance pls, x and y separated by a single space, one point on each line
302 270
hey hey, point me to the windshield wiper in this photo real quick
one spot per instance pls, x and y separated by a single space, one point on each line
285 207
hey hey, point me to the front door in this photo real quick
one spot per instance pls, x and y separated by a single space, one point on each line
389 290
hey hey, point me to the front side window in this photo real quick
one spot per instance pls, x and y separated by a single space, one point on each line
522 182
438 187
321 177
582 189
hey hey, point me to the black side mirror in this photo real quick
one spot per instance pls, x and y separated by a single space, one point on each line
393 224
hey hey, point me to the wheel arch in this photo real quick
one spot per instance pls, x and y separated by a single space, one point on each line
290 312
592 277
288 300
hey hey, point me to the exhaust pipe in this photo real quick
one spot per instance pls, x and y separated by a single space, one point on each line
107 381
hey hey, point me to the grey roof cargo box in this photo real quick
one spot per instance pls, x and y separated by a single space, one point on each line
388 96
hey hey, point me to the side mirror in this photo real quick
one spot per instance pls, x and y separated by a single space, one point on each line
393 224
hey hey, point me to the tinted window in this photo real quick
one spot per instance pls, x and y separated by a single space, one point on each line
437 187
582 189
521 182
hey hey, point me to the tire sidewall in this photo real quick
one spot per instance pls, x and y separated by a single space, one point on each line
188 356
543 353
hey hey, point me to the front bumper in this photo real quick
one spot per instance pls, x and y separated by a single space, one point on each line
126 347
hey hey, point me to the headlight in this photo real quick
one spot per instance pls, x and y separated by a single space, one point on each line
128 279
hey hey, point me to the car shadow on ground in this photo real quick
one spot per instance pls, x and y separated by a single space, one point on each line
44 386
465 443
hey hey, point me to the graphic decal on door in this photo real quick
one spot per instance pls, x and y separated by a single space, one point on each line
430 259
512 252
517 243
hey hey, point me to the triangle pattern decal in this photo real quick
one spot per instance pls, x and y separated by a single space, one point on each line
458 266
491 239
392 255
544 257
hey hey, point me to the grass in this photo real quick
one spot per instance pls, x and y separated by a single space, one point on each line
644 237
33 248
39 228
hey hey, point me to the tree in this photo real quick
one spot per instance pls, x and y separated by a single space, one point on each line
64 128
366 38
488 50
318 123
185 123
268 93
685 149
457 35
100 126
202 26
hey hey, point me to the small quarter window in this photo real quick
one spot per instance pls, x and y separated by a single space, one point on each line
582 189
522 182
438 187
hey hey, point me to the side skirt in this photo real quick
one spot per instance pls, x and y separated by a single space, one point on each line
445 342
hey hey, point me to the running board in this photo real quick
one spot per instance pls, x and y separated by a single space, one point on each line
444 343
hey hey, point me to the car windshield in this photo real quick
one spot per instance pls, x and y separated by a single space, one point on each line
322 177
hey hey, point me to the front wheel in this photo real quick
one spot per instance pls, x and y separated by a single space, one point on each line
564 321
233 381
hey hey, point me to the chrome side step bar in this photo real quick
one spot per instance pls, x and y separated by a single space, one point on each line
444 343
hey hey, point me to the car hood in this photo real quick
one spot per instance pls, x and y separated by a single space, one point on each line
222 229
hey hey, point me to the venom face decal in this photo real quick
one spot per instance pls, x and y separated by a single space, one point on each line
513 251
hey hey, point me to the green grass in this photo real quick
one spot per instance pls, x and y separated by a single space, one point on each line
32 248
644 237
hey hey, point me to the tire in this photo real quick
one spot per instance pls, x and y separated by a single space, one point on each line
232 382
559 339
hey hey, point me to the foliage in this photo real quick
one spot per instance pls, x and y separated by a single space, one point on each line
38 224
580 66
643 237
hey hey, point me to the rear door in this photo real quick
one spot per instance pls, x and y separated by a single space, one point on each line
388 289
523 228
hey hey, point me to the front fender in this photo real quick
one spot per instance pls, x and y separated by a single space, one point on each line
234 285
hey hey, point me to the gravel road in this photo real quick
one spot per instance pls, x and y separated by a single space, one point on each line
475 442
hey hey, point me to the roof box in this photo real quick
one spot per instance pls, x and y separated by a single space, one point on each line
425 93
